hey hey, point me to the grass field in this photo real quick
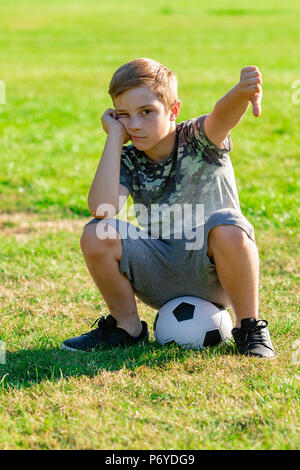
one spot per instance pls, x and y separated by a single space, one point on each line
57 58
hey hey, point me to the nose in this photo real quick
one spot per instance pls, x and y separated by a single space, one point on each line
134 124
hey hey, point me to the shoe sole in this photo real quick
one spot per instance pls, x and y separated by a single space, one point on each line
259 356
63 346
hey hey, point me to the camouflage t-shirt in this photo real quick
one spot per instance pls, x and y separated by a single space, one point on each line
195 180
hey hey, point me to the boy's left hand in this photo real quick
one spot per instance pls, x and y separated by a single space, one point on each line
250 86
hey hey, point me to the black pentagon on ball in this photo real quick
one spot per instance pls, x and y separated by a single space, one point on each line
212 338
184 311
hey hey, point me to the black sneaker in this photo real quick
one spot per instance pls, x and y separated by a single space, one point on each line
107 335
253 338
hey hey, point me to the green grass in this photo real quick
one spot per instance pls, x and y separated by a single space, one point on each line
58 58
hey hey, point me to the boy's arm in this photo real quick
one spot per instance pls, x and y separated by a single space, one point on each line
105 186
230 109
106 195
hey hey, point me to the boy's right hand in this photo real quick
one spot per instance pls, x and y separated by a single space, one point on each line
110 123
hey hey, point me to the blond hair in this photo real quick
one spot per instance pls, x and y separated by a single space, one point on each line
146 72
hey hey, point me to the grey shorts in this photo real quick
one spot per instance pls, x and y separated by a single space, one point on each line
162 269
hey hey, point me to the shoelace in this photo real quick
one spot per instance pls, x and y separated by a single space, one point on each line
102 327
254 334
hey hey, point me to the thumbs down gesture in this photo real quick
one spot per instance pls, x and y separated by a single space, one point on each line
250 86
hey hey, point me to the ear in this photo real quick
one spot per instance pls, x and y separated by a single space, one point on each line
175 110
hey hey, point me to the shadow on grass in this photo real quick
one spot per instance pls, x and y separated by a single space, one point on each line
26 368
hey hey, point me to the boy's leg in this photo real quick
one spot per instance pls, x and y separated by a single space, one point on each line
102 258
237 264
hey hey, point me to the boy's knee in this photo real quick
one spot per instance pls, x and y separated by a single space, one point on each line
98 239
228 235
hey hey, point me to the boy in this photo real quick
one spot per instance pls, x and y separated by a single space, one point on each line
169 163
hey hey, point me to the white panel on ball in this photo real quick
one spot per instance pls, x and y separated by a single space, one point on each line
192 322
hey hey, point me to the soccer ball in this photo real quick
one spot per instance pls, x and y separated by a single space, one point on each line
192 322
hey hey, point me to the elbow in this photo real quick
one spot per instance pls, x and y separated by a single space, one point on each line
94 214
92 210
92 207
103 211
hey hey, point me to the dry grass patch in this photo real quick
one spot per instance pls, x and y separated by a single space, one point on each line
23 226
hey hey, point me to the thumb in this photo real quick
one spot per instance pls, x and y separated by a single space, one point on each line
256 104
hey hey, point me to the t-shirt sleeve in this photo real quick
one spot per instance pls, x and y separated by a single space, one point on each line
125 170
196 136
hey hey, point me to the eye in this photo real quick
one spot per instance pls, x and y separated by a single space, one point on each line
147 111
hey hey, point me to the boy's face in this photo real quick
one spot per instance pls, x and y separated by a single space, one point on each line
145 118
